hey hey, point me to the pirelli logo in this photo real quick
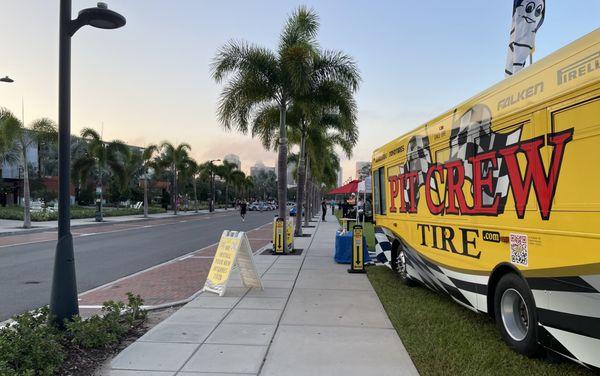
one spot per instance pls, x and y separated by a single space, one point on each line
578 69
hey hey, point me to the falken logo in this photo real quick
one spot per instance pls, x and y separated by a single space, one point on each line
489 161
578 69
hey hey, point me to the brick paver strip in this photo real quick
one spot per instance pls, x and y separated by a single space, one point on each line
10 240
170 282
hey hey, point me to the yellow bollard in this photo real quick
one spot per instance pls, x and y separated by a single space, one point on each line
278 234
358 261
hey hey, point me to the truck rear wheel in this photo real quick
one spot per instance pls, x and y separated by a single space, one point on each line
398 263
402 269
515 313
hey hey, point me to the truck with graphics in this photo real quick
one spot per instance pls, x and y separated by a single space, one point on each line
496 203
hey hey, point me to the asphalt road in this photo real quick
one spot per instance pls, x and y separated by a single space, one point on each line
106 253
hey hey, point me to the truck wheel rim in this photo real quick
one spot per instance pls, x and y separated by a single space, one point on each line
515 314
402 264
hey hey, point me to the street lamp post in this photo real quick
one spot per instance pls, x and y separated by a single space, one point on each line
211 207
63 299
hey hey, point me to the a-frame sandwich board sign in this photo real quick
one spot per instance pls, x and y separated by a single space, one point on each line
233 249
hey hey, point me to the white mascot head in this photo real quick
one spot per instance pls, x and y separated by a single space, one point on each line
532 11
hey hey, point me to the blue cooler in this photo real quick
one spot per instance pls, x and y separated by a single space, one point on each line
343 248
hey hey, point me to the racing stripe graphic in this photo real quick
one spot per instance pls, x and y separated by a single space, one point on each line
569 311
437 279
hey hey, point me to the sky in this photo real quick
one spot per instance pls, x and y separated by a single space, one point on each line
150 80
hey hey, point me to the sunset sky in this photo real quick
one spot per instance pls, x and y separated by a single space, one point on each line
150 81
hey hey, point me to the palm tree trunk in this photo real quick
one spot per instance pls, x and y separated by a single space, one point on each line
26 194
226 194
308 192
195 195
174 190
282 166
146 195
300 185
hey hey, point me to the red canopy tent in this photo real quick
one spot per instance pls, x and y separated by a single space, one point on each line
347 189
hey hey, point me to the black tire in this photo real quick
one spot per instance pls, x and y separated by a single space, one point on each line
516 315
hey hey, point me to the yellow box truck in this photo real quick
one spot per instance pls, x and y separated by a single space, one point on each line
496 203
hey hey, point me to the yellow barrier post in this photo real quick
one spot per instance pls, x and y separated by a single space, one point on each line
278 234
358 261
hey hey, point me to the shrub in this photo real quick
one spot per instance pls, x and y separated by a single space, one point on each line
134 312
77 212
30 346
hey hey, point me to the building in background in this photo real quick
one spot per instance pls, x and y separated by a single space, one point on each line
363 169
232 158
258 167
340 177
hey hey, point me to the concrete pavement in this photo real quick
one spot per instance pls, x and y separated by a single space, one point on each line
312 318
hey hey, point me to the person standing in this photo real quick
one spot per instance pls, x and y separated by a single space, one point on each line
332 203
324 208
243 207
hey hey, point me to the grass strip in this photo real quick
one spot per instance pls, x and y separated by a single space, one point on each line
443 338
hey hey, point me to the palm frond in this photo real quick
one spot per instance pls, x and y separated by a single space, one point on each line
301 26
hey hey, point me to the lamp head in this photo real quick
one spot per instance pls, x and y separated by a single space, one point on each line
6 79
101 17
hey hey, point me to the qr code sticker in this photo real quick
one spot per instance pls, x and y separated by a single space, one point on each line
518 249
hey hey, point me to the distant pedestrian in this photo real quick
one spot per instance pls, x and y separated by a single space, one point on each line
243 207
324 207
332 203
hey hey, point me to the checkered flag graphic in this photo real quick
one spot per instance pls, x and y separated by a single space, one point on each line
419 160
471 135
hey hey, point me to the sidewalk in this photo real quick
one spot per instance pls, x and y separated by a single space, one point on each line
14 227
313 318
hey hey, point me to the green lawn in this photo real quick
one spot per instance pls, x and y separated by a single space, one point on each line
444 338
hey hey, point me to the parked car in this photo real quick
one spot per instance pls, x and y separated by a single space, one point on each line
253 206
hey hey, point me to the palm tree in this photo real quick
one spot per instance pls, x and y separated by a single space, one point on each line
147 160
246 185
260 77
329 79
225 171
18 139
329 111
100 159
191 170
173 158
237 180
8 136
